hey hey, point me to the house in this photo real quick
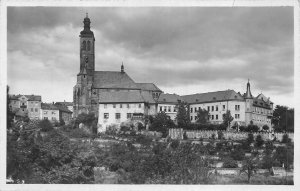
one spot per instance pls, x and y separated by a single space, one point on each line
55 113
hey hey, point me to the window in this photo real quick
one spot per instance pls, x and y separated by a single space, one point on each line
198 108
191 118
237 107
45 117
53 112
118 115
212 117
88 45
114 105
129 115
105 106
208 108
217 117
165 108
121 105
174 108
84 45
212 108
45 112
191 110
195 109
217 108
128 106
237 116
36 109
223 107
106 115
140 105
160 108
169 108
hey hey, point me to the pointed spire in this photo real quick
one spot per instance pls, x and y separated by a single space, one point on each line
86 15
122 68
248 93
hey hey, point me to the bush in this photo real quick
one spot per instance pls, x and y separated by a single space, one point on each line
250 138
61 122
144 140
259 141
220 135
238 154
286 139
243 128
229 163
174 144
213 136
124 128
79 133
185 136
266 127
45 125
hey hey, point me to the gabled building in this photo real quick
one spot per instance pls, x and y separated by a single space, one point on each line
26 105
55 113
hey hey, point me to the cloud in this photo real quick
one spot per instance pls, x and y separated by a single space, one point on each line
172 47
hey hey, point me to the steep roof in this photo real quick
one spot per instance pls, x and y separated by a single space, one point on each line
169 98
213 97
111 79
147 97
47 106
29 97
148 87
121 97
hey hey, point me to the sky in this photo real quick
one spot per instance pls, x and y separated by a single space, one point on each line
183 50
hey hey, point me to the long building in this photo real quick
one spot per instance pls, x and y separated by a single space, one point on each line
114 97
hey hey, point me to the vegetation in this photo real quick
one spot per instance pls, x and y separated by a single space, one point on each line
161 123
202 116
183 116
227 118
283 119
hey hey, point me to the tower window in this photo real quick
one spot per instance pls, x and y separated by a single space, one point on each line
84 45
88 45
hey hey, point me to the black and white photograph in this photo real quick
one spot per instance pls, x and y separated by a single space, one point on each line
150 95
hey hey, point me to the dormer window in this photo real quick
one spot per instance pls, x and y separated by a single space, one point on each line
197 100
214 98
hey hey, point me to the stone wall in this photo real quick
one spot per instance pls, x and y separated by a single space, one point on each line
197 134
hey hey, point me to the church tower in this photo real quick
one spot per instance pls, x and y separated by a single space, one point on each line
82 90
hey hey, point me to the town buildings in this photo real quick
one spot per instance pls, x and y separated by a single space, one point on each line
26 106
55 113
114 97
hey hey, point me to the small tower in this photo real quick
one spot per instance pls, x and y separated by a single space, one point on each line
122 68
249 104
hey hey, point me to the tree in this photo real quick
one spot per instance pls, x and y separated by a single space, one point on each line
266 127
202 116
183 116
283 118
227 118
229 163
162 123
259 141
249 167
285 139
45 125
9 114
250 138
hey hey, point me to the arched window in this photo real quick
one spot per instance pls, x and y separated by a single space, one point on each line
88 45
84 45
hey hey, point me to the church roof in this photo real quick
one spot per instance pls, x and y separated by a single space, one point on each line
213 97
121 97
169 98
111 79
148 87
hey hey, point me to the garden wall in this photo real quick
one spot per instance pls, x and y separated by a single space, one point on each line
197 134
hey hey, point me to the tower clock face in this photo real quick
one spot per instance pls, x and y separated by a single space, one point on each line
86 59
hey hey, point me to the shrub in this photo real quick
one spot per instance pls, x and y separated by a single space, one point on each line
174 144
144 140
79 133
124 128
266 127
250 138
238 154
243 128
220 135
61 122
259 141
45 125
286 139
229 163
185 136
140 126
213 136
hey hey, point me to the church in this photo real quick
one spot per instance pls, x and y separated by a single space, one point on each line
100 92
114 97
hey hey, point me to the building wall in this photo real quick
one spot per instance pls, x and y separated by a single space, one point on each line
237 113
32 107
111 111
51 115
169 109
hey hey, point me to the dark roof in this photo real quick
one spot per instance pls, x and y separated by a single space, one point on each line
169 98
29 97
148 87
213 97
121 97
109 79
64 103
55 107
147 97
